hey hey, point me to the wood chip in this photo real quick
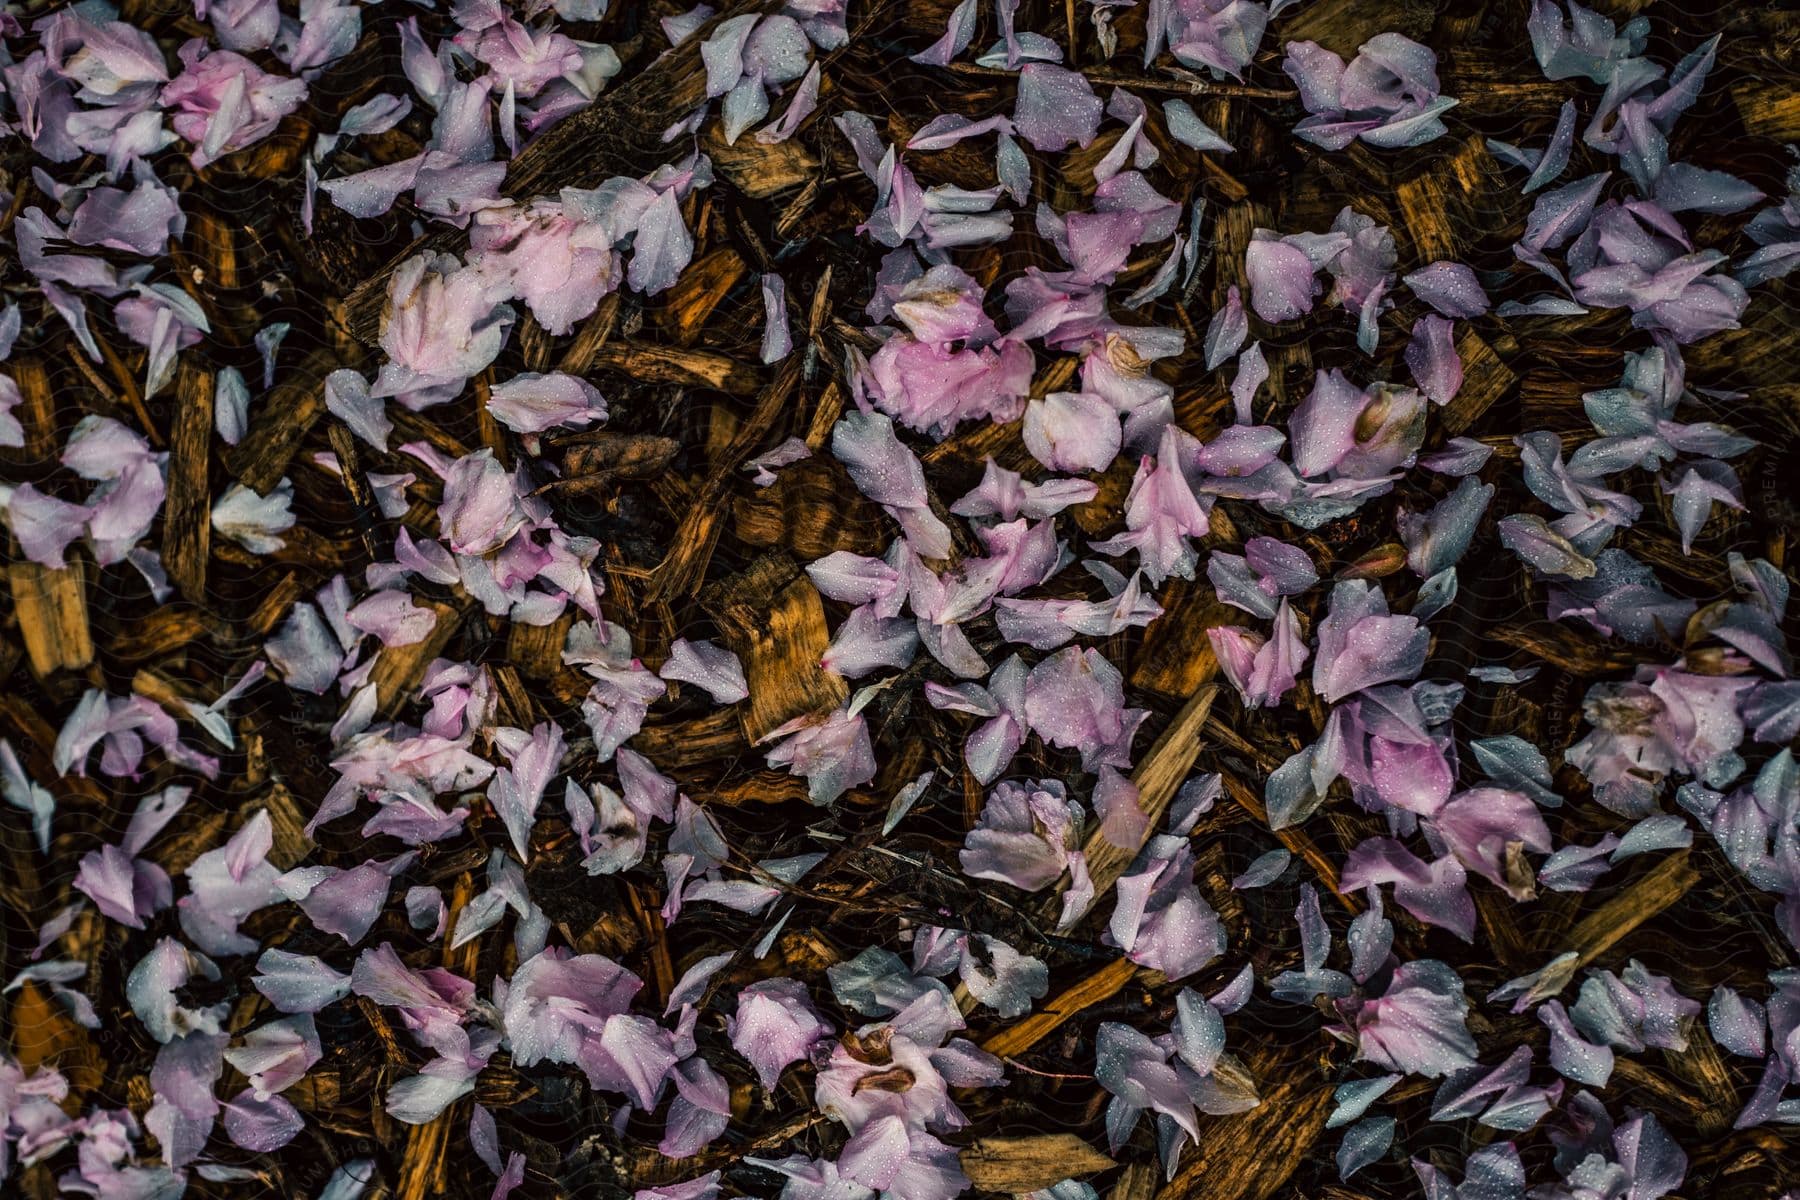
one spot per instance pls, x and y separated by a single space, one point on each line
51 608
187 511
774 621
282 422
1028 1031
1613 921
1027 1164
1252 1155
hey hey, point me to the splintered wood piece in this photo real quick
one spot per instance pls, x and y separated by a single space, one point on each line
1606 926
211 243
825 415
694 539
1714 1094
696 295
210 271
1177 656
761 787
277 155
1251 1155
1157 777
1550 398
43 1035
1028 1031
1495 914
399 669
1485 380
1297 842
293 407
602 458
1017 1165
1564 647
1439 206
422 1163
1344 25
129 392
774 621
51 607
460 959
1488 84
1100 515
318 1091
1172 756
166 630
37 408
962 164
534 344
536 650
1759 353
1136 1182
1653 1089
671 364
154 685
592 334
812 510
1000 442
187 512
350 474
515 705
1770 110
924 18
649 919
288 825
273 608
714 737
757 169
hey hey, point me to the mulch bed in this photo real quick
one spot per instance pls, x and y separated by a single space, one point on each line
688 544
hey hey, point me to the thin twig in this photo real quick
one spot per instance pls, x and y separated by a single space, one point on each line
1173 87
1016 1065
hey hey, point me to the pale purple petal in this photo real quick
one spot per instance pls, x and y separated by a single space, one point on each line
1055 107
1281 279
711 668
